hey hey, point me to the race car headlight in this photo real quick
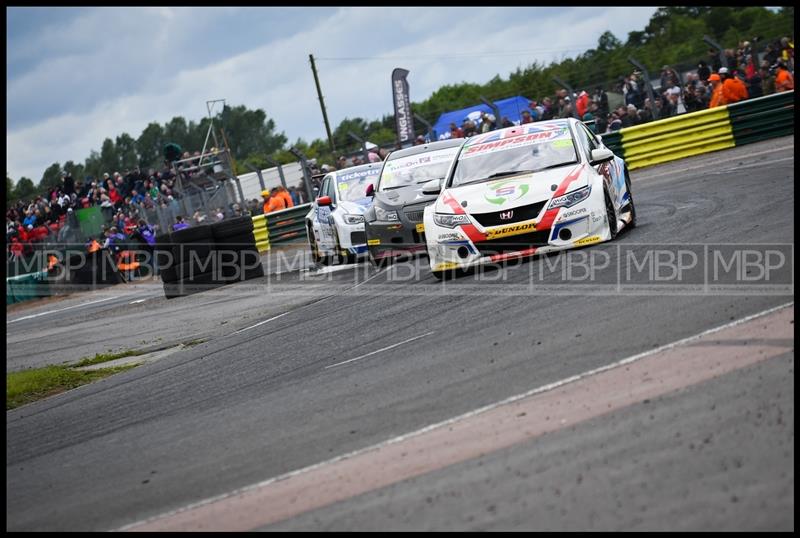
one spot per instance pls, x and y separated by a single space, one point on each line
571 198
354 219
450 221
382 214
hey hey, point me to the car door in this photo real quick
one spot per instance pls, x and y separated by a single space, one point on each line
325 215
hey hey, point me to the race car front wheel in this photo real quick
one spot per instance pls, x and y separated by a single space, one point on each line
631 207
612 216
316 257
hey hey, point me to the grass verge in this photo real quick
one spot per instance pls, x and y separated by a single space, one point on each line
105 357
28 386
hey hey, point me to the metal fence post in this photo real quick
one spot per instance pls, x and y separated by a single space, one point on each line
572 99
494 108
277 165
361 143
723 61
304 165
649 87
260 177
431 132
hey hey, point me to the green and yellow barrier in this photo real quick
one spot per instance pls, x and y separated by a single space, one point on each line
261 232
705 131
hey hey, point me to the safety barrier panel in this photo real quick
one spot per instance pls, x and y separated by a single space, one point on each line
677 137
286 225
261 232
762 118
705 131
26 287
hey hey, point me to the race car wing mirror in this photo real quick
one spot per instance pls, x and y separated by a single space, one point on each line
601 155
324 201
433 186
370 190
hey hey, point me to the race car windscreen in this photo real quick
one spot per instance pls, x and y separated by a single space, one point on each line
353 185
416 169
491 155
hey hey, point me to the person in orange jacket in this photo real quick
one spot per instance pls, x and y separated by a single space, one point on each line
717 97
272 202
287 198
784 81
733 88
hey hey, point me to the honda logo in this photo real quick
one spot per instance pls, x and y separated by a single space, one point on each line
507 215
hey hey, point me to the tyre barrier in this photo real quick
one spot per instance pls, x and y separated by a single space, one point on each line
695 133
206 257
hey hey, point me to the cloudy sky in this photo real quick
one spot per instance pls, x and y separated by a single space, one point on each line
78 75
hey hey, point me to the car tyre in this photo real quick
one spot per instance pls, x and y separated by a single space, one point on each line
631 206
612 217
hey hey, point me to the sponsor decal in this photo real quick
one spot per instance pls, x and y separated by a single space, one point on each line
421 227
444 266
404 121
350 176
572 213
450 237
597 217
373 241
394 227
513 229
587 240
505 191
517 141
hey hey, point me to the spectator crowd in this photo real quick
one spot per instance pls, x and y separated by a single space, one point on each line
712 84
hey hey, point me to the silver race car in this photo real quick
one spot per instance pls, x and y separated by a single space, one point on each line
394 221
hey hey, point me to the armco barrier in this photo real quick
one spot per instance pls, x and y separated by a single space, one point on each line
705 131
762 118
286 225
677 137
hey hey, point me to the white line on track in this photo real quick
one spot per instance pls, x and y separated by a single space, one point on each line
381 349
262 322
60 309
450 421
138 301
304 306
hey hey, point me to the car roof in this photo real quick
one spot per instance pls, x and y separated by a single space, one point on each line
521 129
425 148
360 168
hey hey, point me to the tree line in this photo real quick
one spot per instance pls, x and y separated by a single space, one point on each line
673 36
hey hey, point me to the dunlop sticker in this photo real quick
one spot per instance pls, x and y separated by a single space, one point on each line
513 229
587 240
374 242
444 266
421 227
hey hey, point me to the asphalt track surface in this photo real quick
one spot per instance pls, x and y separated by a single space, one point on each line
301 367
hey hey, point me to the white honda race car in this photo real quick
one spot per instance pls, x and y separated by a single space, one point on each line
526 190
335 223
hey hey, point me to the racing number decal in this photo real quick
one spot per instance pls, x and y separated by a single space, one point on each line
325 219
